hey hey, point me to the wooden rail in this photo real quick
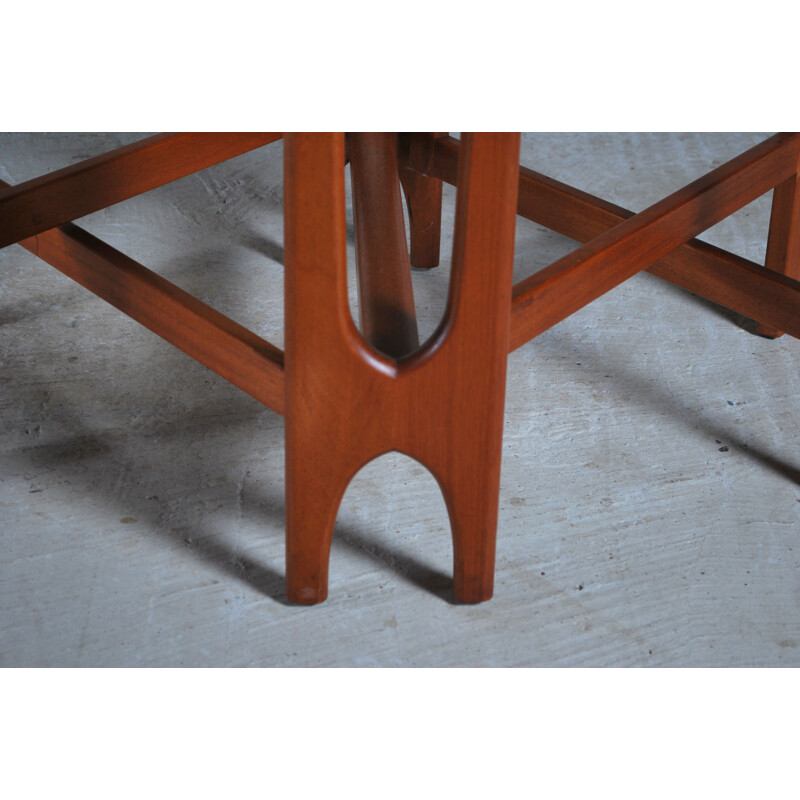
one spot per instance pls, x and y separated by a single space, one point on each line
67 194
224 346
621 243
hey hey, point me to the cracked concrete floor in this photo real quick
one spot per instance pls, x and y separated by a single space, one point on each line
650 494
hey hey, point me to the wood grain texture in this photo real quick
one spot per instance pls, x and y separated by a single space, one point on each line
75 191
423 200
573 281
711 272
443 405
783 244
224 346
388 318
348 397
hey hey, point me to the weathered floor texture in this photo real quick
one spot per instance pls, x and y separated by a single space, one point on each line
650 499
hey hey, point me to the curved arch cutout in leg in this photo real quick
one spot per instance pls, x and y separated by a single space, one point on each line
316 482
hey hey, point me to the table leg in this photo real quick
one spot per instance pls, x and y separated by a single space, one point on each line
386 298
424 203
347 404
783 244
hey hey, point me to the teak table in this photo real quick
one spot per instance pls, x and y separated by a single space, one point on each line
348 395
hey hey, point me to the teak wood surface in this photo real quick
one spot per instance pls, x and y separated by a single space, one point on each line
351 395
347 404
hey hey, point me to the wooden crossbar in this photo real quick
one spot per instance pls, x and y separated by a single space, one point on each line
648 240
620 243
67 194
222 345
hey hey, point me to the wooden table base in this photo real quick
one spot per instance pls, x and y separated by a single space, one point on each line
352 394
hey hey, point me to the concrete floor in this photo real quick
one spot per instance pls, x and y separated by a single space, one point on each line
650 499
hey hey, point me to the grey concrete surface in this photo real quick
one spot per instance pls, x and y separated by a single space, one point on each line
650 493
